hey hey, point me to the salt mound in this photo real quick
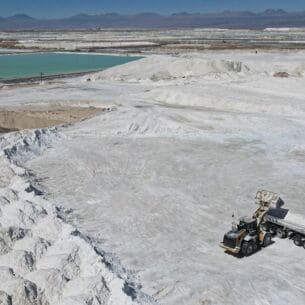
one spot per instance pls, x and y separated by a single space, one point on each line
18 291
5 299
299 70
286 70
42 260
157 68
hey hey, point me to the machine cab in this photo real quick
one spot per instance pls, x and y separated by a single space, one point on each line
247 223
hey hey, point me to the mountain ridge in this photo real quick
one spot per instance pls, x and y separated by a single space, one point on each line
225 19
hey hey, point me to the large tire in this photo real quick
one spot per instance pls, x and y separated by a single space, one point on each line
297 240
304 244
272 230
247 248
281 233
267 240
265 227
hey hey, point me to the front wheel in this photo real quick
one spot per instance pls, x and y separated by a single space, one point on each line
267 240
247 248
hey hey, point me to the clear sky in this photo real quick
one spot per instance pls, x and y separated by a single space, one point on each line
62 8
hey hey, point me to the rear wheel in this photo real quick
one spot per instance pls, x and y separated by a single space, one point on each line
281 233
304 244
247 248
267 240
272 230
297 240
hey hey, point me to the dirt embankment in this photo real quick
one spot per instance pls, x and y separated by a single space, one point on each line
26 118
8 43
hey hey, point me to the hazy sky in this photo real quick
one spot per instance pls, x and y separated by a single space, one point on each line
60 8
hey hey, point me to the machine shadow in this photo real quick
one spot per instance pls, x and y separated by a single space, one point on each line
240 256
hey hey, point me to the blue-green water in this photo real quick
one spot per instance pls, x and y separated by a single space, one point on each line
29 65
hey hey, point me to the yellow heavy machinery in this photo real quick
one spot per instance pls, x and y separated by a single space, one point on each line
248 234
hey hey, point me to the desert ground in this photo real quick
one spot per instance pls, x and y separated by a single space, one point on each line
129 205
44 116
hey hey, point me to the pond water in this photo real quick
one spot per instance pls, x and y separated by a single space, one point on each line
30 65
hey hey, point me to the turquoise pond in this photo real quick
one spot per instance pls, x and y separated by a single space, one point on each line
29 65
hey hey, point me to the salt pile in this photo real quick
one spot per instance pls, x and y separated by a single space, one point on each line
159 68
44 260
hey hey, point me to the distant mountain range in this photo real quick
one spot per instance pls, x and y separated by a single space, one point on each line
226 19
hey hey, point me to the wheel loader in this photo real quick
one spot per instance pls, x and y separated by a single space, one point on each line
248 235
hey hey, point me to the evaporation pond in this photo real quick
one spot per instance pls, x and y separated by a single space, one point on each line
30 65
